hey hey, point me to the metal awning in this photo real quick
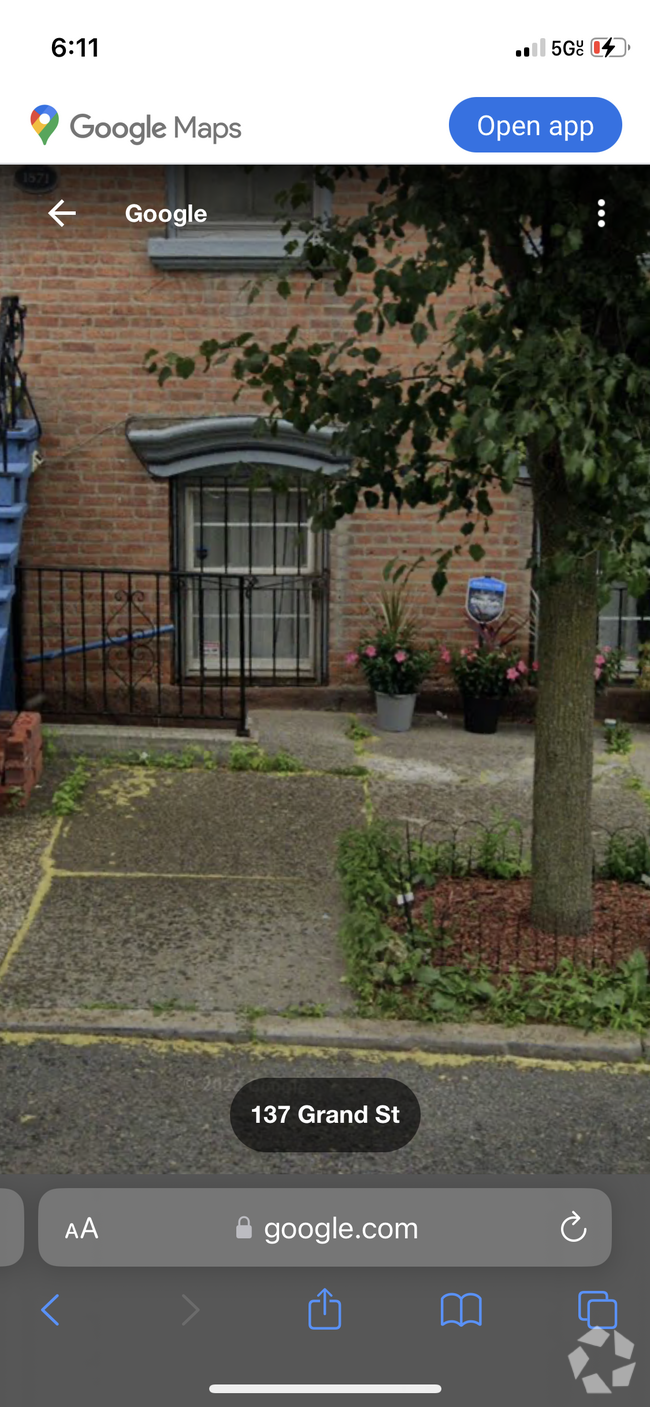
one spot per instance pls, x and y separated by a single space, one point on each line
189 446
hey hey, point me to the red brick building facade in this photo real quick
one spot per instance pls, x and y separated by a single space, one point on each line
102 291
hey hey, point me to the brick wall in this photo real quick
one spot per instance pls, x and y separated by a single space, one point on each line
95 305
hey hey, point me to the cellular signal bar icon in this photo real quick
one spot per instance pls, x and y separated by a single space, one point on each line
532 51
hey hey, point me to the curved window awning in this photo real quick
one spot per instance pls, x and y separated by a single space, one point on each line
169 448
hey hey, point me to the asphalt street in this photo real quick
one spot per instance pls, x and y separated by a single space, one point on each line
81 1105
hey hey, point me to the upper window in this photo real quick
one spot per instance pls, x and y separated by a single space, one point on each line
244 221
243 194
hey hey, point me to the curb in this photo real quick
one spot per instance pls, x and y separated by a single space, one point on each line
345 1033
114 739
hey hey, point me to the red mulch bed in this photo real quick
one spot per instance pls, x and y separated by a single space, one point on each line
488 920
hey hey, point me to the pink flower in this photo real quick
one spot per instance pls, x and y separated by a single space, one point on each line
352 658
512 674
400 656
445 655
522 667
600 659
606 649
535 665
370 651
463 651
597 673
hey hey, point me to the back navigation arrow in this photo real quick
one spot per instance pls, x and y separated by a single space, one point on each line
195 1310
45 1309
56 211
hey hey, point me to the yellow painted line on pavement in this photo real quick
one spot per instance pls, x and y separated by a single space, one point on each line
42 889
256 1050
174 874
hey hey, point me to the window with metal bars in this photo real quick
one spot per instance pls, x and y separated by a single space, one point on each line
230 527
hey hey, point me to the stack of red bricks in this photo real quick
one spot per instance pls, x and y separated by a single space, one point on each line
21 757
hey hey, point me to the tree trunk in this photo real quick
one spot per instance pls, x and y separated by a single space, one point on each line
562 899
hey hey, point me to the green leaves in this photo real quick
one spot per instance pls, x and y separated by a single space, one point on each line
546 363
363 323
439 580
185 367
419 333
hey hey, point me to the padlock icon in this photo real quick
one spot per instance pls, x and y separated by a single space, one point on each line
244 1229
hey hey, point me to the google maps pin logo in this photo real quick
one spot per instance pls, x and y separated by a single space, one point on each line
44 120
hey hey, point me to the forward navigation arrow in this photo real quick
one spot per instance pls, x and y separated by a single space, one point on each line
195 1310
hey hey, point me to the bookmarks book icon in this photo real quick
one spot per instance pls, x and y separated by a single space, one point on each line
461 1309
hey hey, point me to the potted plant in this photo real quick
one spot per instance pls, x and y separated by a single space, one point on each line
393 662
607 667
485 675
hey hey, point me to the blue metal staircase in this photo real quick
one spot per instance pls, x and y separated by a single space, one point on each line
19 436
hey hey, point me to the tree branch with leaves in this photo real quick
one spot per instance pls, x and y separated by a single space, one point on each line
547 364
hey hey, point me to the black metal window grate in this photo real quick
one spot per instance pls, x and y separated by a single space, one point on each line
231 525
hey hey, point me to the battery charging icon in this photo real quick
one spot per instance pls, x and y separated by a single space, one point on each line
609 48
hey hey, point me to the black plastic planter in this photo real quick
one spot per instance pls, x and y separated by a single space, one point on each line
481 714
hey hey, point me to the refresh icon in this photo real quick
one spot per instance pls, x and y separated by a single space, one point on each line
572 1221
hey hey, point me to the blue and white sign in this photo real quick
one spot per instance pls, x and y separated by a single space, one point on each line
486 599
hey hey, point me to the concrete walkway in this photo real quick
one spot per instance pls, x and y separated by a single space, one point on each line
209 891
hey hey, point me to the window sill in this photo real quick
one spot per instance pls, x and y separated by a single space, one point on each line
218 252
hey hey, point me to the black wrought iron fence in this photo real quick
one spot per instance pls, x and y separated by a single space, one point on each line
466 889
163 646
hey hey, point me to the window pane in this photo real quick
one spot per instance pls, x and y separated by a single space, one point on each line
278 625
618 624
235 193
209 546
224 192
266 531
267 183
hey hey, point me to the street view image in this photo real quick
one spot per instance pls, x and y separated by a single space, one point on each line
325 661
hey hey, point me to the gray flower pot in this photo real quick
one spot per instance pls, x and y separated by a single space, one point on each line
395 712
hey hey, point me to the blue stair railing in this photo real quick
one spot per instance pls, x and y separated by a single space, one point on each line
19 437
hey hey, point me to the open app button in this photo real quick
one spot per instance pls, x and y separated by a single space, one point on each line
535 125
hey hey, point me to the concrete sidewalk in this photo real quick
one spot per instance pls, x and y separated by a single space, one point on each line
209 892
201 890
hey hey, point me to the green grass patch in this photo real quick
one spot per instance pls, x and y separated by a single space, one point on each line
50 749
249 757
167 1006
358 732
618 738
313 1009
190 757
68 795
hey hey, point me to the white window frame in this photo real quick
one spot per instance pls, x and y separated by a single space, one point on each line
254 243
